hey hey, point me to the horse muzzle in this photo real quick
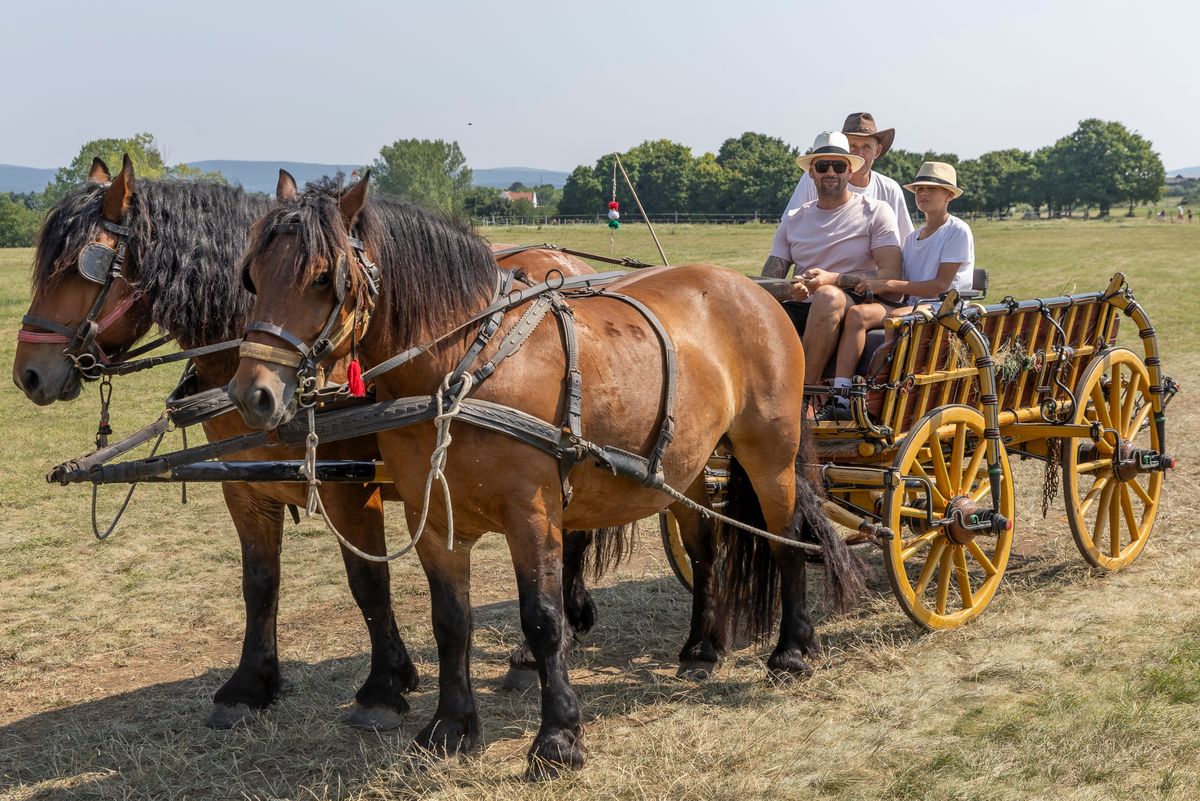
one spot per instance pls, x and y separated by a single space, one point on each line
264 398
45 378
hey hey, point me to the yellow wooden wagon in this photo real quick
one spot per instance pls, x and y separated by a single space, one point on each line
923 470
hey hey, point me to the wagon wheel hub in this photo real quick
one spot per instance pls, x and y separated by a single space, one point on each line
963 520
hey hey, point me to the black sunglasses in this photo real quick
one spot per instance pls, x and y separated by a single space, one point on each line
838 166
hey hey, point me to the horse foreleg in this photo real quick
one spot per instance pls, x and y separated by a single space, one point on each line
455 725
535 542
577 603
358 513
708 633
255 683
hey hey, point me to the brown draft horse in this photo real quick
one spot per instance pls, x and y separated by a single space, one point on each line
182 243
738 383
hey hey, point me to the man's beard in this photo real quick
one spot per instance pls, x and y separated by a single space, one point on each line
826 192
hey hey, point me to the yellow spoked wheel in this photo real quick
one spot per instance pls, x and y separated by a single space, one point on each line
949 551
677 556
1111 510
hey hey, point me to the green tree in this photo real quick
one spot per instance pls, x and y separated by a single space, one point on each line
760 173
1003 178
1106 164
583 193
661 171
1143 177
141 148
431 173
19 224
710 186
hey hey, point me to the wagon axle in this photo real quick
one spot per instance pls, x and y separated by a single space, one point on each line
965 518
1132 462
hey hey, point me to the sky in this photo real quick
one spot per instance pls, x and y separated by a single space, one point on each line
557 84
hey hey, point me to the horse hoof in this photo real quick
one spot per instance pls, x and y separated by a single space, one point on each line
696 671
443 739
519 679
552 756
226 716
378 718
787 669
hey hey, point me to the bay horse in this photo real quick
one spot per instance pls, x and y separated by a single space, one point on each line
182 241
739 368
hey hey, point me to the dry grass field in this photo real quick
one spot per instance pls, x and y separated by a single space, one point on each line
1073 685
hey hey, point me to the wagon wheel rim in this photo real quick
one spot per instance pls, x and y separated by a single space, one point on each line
1111 520
677 555
940 580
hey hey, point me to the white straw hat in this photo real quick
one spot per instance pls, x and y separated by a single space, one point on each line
936 173
831 143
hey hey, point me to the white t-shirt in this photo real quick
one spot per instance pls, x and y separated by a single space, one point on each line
950 243
880 187
839 240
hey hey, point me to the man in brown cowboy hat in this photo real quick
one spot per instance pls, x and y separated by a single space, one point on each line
869 143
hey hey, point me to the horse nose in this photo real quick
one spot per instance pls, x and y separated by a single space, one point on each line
262 402
29 380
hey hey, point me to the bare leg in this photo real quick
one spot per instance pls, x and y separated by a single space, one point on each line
821 331
859 320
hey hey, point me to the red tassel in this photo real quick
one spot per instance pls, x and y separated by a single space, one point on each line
354 380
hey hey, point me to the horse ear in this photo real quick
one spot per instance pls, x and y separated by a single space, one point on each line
353 201
99 174
120 191
285 189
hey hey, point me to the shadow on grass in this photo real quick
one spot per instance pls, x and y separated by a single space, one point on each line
150 742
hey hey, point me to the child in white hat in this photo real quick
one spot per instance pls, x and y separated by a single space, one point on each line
934 259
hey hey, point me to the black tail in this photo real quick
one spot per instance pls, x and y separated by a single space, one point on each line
845 579
610 547
747 588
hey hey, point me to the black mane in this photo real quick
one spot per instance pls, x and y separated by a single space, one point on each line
187 238
433 270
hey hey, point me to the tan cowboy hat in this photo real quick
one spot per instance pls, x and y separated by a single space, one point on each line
831 143
936 173
861 123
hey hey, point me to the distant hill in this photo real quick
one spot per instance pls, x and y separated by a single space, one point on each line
24 179
1186 172
261 176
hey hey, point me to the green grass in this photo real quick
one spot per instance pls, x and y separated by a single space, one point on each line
1070 686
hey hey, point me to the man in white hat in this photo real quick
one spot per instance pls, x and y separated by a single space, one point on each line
834 242
869 143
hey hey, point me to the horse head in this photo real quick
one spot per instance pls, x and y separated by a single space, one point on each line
314 284
80 313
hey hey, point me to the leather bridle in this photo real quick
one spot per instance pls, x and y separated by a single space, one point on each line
303 357
101 265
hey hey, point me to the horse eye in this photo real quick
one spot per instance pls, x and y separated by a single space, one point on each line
322 280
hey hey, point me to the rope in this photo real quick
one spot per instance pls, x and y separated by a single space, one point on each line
705 512
124 504
437 465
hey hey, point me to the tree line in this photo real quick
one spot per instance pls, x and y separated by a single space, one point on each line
1100 165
